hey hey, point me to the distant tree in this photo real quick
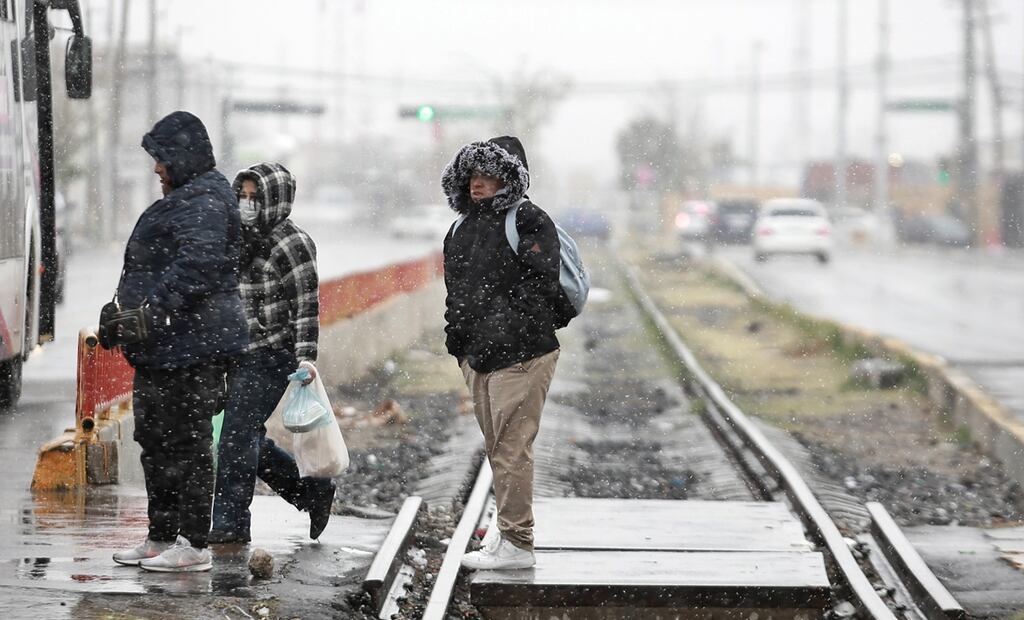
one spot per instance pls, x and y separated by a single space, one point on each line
529 97
652 156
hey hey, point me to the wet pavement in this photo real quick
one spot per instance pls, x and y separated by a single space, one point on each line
964 306
55 548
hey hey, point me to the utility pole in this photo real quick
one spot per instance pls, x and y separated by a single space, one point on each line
114 140
998 137
842 108
881 201
967 157
754 114
802 94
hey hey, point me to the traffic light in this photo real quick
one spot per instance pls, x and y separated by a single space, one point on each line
425 113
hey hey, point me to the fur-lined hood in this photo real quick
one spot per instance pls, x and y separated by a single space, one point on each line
502 157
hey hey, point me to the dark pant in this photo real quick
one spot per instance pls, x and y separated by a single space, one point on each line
173 408
256 382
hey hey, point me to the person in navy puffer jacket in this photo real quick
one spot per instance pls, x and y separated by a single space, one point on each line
181 267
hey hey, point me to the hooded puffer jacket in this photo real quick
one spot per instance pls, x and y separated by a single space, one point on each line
499 303
280 286
182 258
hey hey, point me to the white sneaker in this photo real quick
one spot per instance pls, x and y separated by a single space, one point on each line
148 549
502 555
179 558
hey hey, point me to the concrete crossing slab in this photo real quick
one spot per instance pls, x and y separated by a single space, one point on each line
594 553
666 525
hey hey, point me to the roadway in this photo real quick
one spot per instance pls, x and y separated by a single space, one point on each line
964 306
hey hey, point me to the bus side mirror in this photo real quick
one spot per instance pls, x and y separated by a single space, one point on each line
24 71
78 67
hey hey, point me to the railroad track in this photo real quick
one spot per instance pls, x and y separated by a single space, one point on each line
759 472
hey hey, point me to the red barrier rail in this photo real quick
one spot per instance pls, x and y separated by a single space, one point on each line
105 378
346 297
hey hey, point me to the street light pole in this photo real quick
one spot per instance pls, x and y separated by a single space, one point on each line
754 126
843 95
967 159
881 184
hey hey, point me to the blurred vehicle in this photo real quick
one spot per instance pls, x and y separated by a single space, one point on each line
948 231
944 230
330 203
695 219
585 223
734 220
792 226
429 221
854 225
29 251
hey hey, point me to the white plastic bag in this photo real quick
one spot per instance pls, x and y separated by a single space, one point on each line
321 452
305 406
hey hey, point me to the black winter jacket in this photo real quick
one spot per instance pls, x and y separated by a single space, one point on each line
499 303
182 258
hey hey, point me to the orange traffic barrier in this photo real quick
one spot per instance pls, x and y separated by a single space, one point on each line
104 381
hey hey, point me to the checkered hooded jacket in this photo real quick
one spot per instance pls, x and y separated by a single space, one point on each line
278 280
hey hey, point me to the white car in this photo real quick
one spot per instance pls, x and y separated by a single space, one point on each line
792 226
423 222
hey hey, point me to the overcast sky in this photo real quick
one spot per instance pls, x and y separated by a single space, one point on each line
607 49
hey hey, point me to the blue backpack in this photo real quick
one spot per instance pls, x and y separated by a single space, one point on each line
572 275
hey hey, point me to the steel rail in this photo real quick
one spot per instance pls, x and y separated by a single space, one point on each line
815 518
444 585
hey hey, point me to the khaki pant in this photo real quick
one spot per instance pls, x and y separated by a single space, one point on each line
507 404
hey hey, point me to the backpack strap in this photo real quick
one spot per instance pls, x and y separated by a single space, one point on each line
455 226
511 231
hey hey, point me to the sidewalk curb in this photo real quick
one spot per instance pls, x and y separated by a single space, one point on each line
957 398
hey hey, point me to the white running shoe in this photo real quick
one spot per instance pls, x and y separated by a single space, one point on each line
148 549
502 555
182 557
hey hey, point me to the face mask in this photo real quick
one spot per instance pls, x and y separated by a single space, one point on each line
248 211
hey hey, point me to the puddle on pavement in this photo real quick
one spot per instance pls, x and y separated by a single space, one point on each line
64 542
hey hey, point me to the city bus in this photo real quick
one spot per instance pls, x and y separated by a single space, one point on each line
28 254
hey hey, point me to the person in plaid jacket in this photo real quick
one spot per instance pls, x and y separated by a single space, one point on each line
280 293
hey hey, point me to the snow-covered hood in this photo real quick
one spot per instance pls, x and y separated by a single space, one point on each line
502 157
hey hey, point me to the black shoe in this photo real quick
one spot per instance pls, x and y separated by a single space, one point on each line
220 537
320 512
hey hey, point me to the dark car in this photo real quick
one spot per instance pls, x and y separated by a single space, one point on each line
585 223
734 222
944 230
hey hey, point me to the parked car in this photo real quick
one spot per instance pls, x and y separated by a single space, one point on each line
734 220
429 221
585 223
695 219
792 226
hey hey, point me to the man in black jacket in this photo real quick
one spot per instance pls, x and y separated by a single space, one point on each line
181 267
501 315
